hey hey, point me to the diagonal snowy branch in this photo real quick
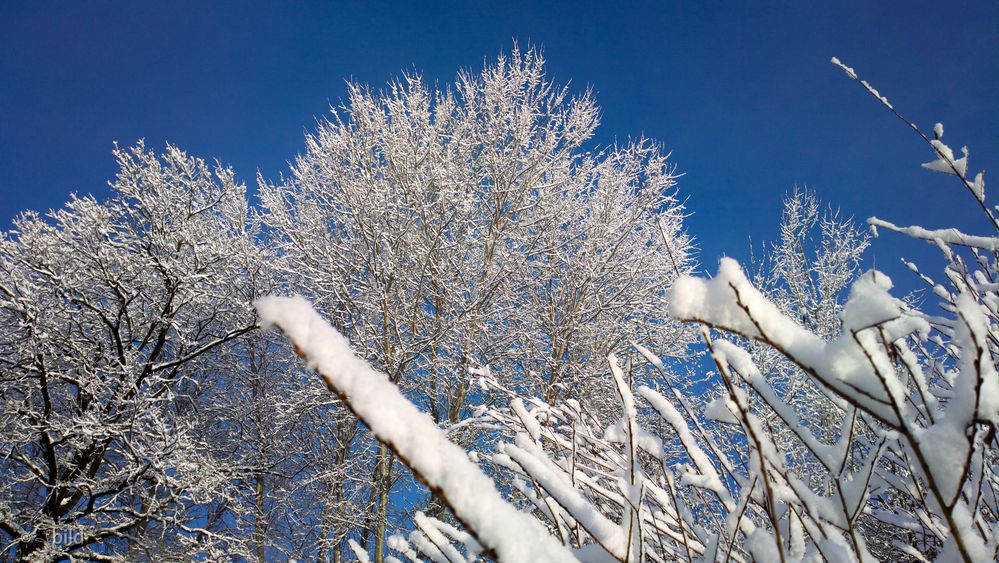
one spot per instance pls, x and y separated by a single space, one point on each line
413 436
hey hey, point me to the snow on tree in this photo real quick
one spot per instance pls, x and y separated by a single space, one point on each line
806 273
110 315
441 230
412 435
143 417
295 447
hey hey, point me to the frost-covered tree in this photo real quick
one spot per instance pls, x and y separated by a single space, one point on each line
598 276
443 230
809 269
110 316
807 274
300 490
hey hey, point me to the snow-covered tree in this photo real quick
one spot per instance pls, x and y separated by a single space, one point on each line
806 274
443 230
300 489
110 315
598 277
808 270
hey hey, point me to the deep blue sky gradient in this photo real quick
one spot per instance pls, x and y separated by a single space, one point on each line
743 95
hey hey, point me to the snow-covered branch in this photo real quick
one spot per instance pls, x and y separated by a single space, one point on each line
413 436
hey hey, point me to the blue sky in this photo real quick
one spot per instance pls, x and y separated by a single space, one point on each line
743 95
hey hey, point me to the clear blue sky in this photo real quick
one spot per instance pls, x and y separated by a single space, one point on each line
744 96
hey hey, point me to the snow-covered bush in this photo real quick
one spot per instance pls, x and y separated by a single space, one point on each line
906 473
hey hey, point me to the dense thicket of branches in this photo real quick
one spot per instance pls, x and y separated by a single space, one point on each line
480 261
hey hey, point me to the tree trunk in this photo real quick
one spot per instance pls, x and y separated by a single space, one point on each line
383 481
259 529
